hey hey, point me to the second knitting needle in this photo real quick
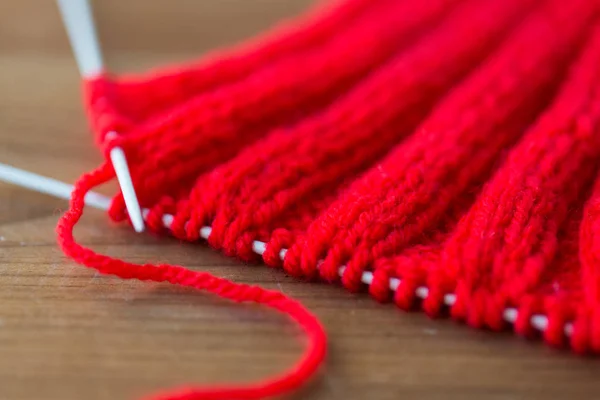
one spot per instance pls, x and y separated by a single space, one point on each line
79 22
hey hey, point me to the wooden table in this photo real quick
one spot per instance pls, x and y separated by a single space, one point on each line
68 333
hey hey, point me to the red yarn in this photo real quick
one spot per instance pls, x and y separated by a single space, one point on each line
237 114
140 96
441 150
177 275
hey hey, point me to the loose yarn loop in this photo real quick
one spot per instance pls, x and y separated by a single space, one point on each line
317 339
442 152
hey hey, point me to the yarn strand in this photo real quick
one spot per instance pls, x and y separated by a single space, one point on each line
296 376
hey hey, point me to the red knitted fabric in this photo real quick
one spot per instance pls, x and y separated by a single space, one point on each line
437 153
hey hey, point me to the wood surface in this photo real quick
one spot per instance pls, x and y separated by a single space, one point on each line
68 333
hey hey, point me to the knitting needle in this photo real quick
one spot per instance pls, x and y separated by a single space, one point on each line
119 162
62 190
52 187
78 20
79 23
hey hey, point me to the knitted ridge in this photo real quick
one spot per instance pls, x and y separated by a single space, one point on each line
165 87
285 82
441 154
168 85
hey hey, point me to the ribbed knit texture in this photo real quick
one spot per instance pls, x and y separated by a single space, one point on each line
452 145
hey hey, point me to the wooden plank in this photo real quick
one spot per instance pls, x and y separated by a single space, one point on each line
67 333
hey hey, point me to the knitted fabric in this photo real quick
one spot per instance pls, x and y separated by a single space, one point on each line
434 153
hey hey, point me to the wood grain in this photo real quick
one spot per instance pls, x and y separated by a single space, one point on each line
68 333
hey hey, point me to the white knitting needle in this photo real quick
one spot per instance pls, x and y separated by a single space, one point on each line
79 22
62 190
53 187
